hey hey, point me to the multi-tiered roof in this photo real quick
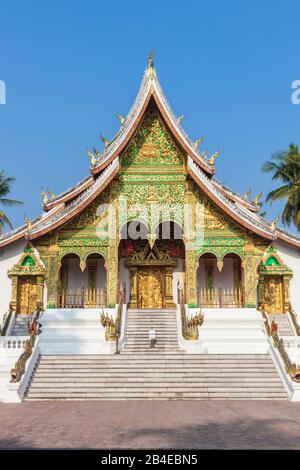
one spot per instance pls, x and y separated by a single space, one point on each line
60 209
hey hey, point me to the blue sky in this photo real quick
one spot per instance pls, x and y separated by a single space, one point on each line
69 65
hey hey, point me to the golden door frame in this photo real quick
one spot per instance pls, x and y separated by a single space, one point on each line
152 289
153 265
27 295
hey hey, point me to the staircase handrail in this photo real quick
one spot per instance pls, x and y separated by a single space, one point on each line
291 368
190 324
8 321
293 317
18 370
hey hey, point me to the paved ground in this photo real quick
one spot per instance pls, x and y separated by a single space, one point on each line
137 425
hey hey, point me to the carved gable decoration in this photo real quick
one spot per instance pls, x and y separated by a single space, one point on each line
272 264
147 256
28 264
208 215
152 145
91 215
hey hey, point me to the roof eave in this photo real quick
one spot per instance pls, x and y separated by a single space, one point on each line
71 214
228 211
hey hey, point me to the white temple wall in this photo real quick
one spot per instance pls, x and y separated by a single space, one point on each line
178 276
223 279
124 277
9 256
291 257
101 274
74 274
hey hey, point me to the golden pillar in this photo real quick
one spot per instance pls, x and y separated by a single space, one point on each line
191 269
112 275
40 291
261 293
52 271
169 303
250 274
52 281
133 301
14 292
286 290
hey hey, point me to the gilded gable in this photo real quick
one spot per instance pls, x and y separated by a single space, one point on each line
152 144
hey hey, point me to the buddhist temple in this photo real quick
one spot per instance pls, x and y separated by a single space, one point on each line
150 238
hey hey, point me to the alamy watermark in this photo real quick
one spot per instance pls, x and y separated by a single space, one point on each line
2 92
124 221
295 97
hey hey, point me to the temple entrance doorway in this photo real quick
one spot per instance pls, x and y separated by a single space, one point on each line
27 295
273 296
149 264
151 287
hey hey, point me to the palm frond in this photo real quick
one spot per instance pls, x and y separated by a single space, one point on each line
4 220
279 193
10 202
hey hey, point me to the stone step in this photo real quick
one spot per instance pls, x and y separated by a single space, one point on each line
184 360
161 373
176 358
131 378
154 396
154 389
171 367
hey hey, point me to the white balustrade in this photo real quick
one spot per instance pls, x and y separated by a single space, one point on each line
13 342
292 348
291 343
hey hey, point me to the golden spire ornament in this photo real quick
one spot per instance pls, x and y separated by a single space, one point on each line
105 141
198 142
98 154
246 196
150 59
257 199
180 118
28 223
92 157
150 66
45 197
51 194
213 158
274 224
121 119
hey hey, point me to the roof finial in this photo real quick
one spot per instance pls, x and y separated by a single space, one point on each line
213 157
274 224
150 59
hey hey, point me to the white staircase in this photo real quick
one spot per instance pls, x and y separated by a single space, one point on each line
163 373
283 322
137 330
21 325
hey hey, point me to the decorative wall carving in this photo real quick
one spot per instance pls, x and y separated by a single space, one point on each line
152 145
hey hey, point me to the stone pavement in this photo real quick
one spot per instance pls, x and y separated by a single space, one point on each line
156 424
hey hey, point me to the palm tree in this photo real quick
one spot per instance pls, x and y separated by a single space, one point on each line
5 184
285 166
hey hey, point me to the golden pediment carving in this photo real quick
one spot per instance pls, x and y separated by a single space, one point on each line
147 256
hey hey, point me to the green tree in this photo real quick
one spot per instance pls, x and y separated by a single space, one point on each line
285 167
5 186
